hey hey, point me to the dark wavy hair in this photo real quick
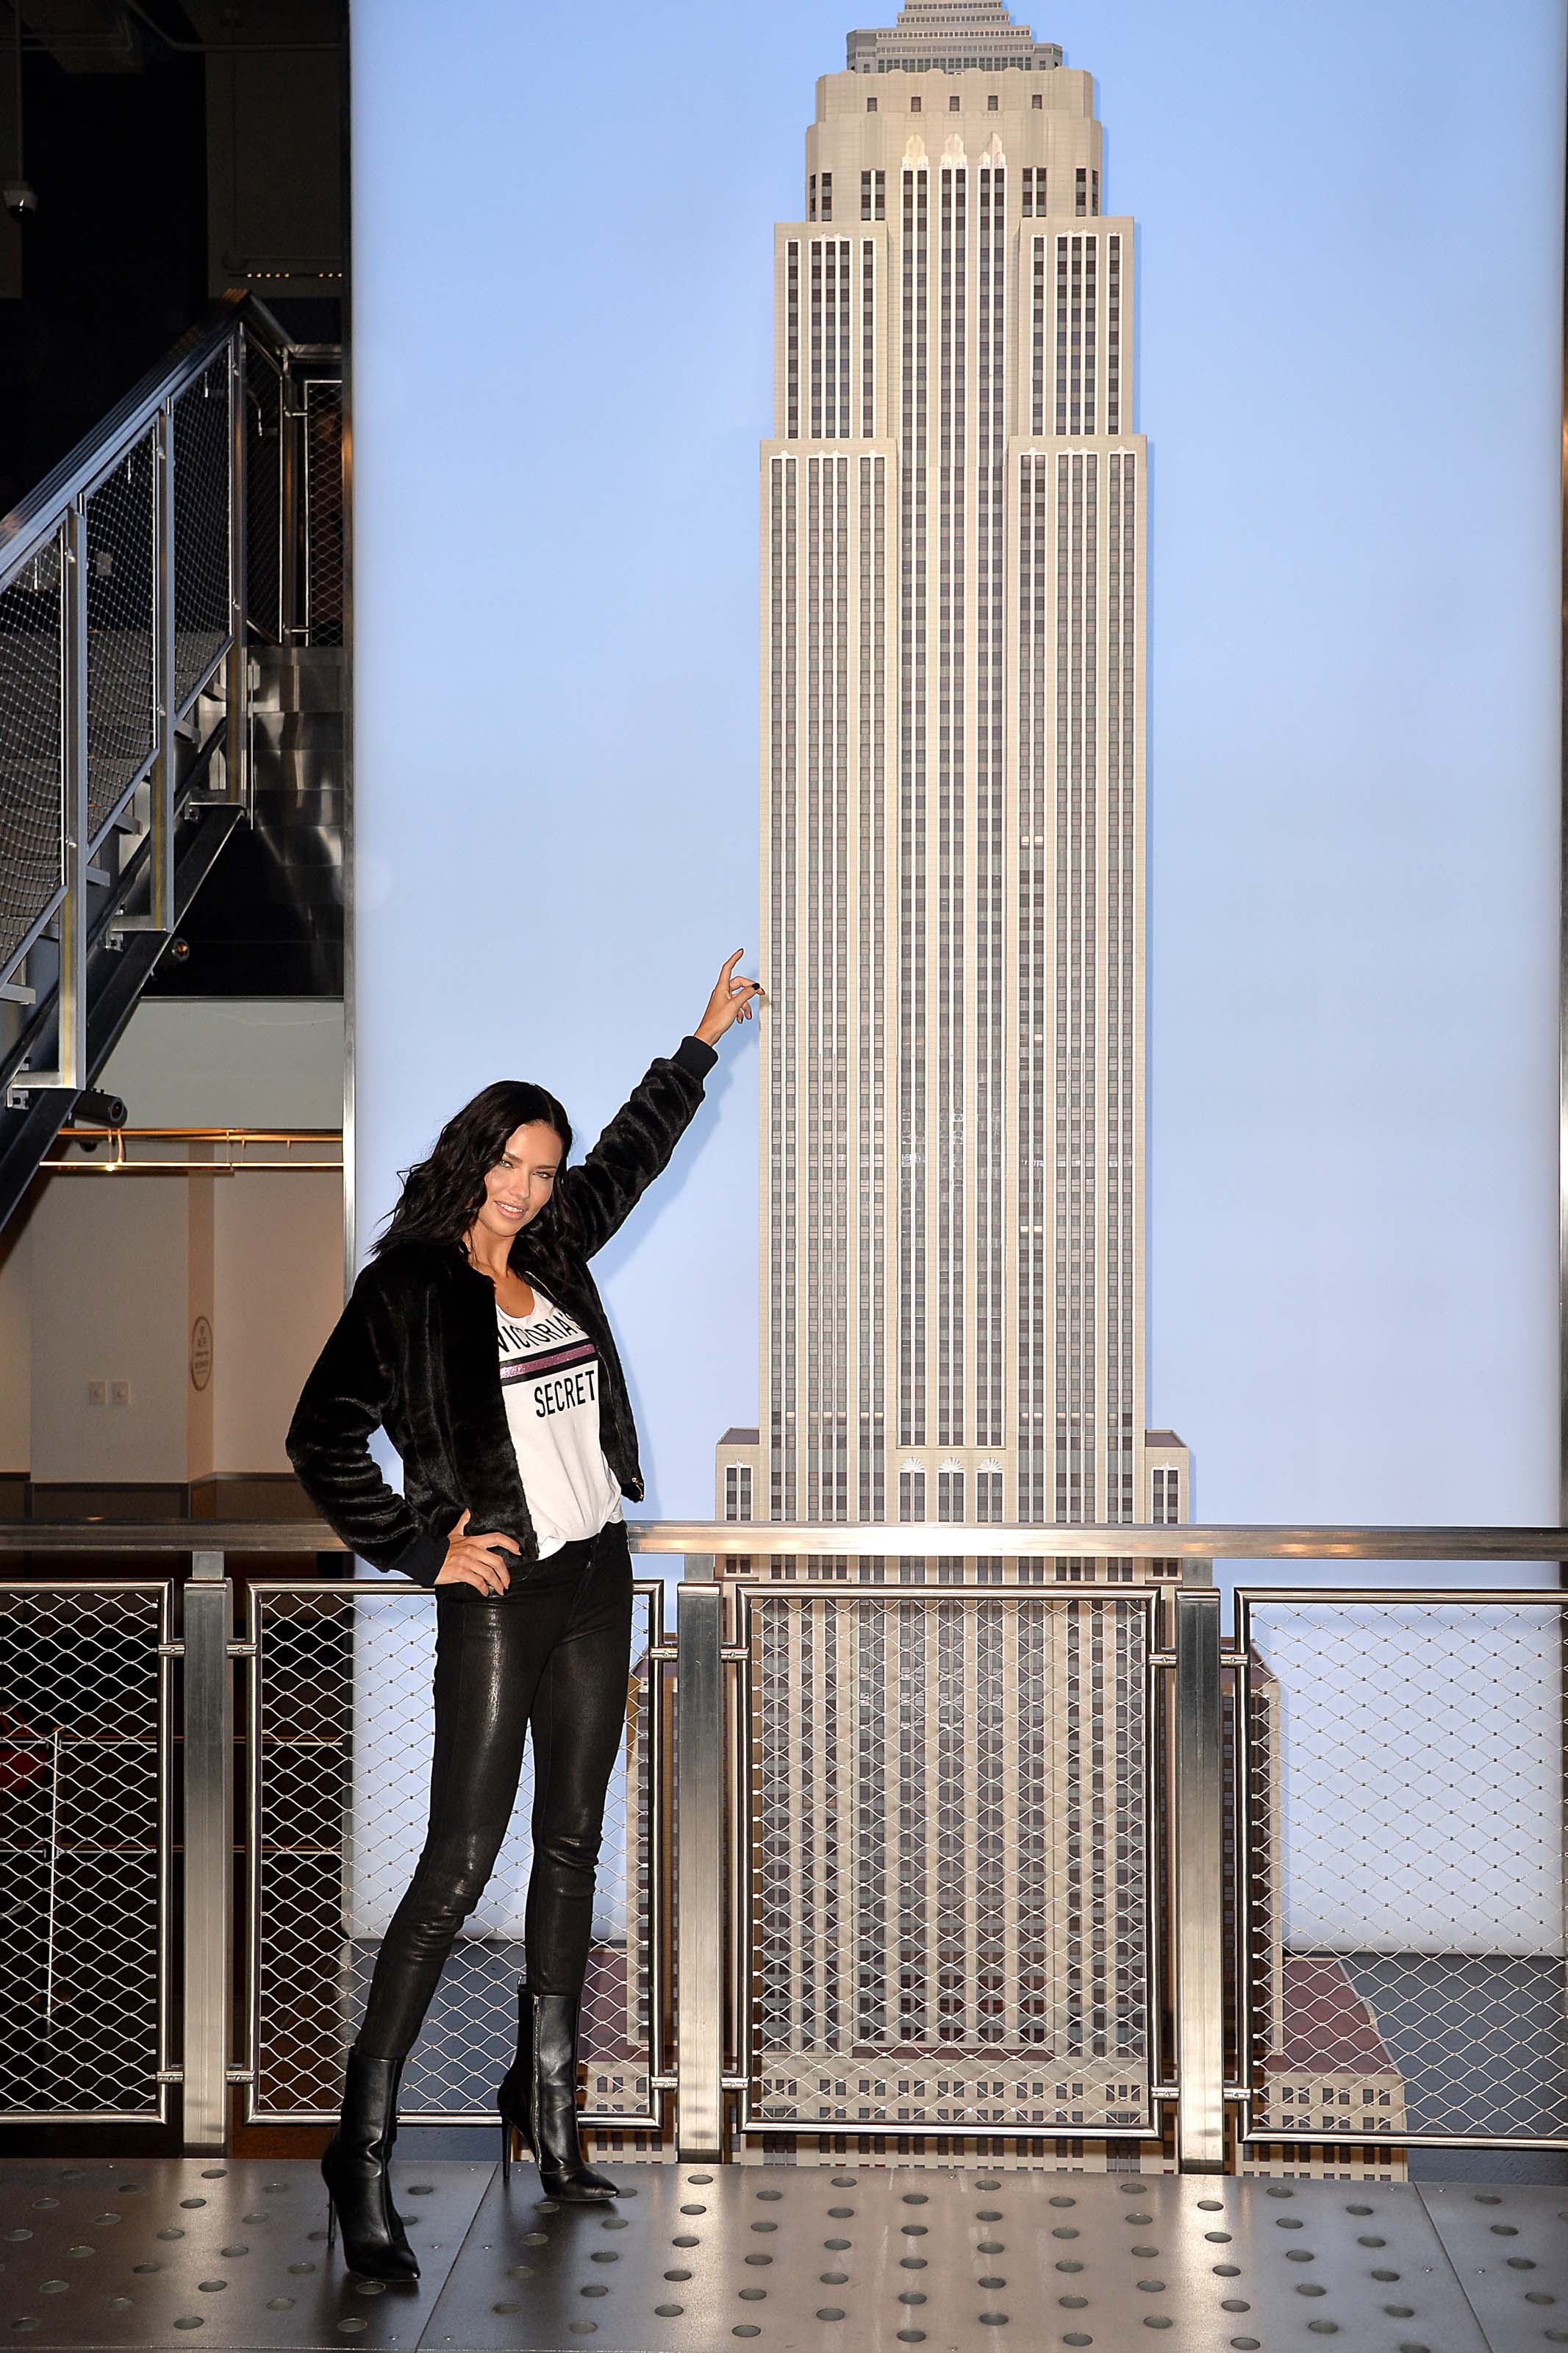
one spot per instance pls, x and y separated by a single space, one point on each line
442 1195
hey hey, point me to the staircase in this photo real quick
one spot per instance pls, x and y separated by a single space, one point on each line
269 923
170 708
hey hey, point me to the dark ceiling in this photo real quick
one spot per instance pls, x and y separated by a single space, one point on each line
173 151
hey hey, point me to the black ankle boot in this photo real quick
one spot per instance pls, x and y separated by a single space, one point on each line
355 2168
538 2099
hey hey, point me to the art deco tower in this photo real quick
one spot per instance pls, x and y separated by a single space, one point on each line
953 507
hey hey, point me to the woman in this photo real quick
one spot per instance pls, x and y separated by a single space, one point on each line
477 1339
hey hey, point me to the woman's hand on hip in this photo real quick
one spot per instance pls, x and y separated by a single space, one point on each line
476 1560
732 999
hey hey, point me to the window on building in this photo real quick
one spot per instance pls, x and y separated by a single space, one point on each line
1037 103
992 104
1094 191
914 105
811 197
1080 195
870 106
952 106
824 196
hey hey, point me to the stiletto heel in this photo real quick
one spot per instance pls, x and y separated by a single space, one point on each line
538 2101
511 2093
563 2171
355 2168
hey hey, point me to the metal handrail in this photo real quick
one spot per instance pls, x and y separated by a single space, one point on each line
962 1539
64 892
28 526
1195 1953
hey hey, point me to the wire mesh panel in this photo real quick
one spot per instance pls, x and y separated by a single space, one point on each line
202 468
122 604
264 491
83 1852
341 1733
32 626
1403 1835
323 511
948 1810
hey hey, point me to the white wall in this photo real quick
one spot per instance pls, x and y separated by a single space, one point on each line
119 1269
101 1279
227 1062
279 1288
16 1346
110 1295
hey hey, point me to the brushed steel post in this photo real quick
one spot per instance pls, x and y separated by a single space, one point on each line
160 886
293 602
1196 1901
160 915
209 1850
237 742
700 1886
70 1059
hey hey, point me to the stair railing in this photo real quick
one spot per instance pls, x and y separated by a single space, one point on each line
203 515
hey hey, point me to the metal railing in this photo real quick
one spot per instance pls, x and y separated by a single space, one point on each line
1400 1813
205 515
338 1725
890 1852
85 1849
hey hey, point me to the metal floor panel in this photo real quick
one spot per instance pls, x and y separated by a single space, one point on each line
168 2252
1508 2246
800 2259
955 2261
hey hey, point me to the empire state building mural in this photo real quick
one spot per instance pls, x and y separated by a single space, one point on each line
952 528
951 1913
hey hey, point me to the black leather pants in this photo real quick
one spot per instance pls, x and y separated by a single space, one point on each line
552 1652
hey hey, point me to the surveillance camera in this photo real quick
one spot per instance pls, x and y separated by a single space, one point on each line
20 199
103 1109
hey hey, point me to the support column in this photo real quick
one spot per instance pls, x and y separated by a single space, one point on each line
1196 1895
208 1852
699 1889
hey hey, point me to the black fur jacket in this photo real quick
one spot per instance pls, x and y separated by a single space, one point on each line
415 1353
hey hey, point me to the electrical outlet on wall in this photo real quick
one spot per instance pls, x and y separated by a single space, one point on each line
97 1392
119 1392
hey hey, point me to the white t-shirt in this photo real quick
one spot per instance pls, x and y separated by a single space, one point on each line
550 1381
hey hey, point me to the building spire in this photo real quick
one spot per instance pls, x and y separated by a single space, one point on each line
950 36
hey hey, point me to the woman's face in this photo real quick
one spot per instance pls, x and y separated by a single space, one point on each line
521 1181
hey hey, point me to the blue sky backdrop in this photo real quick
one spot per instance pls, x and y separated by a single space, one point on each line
1349 278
